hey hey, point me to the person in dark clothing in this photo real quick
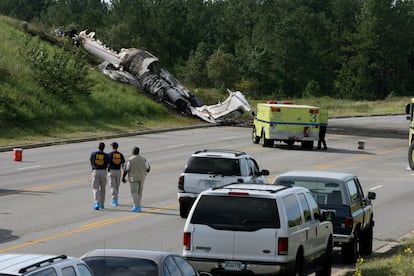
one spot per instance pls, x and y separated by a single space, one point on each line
116 162
323 125
99 163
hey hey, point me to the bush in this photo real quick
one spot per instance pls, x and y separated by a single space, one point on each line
58 73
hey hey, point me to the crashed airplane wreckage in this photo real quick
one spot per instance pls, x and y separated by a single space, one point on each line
142 70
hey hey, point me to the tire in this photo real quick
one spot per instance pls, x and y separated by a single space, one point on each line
255 138
327 261
367 240
289 142
411 156
307 144
350 250
184 209
296 268
263 140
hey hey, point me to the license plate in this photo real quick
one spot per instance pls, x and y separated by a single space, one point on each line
233 266
209 183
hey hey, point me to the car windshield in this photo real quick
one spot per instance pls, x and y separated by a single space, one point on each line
205 165
325 193
236 213
121 266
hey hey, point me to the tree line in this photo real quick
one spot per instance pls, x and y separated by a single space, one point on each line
350 49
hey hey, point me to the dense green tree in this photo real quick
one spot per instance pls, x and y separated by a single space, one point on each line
195 70
378 65
24 9
126 25
360 49
77 14
222 69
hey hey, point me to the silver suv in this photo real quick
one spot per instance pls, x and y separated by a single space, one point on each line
260 229
212 168
42 265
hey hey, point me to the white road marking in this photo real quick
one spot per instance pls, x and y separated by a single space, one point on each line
30 167
376 187
230 138
175 146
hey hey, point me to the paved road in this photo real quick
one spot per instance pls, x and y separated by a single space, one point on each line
46 200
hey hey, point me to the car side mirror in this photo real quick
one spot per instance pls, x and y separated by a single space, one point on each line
264 172
372 195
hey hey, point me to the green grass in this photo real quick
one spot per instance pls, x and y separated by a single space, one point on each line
341 107
399 260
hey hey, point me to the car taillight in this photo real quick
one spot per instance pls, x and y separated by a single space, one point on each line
282 246
306 132
181 182
239 193
349 223
187 240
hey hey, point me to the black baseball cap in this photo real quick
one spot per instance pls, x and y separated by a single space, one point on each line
114 144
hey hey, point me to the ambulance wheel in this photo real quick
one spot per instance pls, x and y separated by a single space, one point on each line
255 138
411 156
289 142
307 144
263 140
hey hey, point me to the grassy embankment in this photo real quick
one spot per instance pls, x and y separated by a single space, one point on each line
28 114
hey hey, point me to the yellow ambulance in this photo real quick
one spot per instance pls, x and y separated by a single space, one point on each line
286 122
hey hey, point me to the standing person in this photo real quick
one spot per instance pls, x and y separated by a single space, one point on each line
323 125
99 164
136 168
116 162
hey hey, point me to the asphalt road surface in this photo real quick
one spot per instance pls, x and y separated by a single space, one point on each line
46 199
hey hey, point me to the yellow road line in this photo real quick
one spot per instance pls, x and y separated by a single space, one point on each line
87 227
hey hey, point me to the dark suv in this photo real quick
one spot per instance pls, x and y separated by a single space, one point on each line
343 194
211 168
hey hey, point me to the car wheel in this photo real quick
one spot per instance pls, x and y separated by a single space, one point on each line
255 138
184 209
296 268
327 262
350 250
366 240
411 156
